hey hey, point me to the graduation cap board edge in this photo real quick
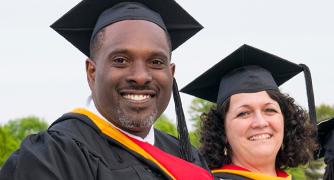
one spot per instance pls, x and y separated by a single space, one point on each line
78 24
248 69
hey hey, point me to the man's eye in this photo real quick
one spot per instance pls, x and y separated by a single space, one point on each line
157 62
119 60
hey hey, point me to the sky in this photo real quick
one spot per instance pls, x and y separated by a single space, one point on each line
42 74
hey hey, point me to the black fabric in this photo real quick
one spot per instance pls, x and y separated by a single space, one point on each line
78 24
229 176
326 139
245 79
329 147
127 11
74 148
207 86
185 145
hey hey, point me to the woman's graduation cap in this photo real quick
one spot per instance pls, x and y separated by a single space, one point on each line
81 23
248 70
326 140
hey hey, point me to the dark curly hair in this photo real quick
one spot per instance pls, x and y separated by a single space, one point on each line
299 142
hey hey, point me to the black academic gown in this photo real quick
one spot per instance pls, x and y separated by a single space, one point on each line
73 148
229 176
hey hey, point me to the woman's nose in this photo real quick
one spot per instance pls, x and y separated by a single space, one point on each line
259 121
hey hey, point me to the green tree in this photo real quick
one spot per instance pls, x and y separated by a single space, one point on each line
324 111
20 128
8 144
197 108
165 125
13 132
297 173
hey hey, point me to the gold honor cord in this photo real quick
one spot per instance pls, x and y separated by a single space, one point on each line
115 134
251 175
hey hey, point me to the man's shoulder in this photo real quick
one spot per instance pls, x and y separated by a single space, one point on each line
170 144
73 123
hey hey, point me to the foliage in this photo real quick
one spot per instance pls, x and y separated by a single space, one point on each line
297 173
8 144
315 170
197 107
20 128
13 132
324 112
165 125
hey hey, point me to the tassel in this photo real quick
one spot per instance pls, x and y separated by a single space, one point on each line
185 146
310 94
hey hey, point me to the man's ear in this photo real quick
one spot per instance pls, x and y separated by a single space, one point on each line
90 72
172 68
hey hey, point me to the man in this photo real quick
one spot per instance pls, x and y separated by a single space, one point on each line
130 75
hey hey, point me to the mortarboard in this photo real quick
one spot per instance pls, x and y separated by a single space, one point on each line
326 140
247 70
81 22
88 17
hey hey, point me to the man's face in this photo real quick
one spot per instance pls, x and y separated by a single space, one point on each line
131 75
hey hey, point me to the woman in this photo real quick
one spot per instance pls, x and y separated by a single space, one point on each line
254 132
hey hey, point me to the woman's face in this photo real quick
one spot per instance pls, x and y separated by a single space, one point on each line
254 128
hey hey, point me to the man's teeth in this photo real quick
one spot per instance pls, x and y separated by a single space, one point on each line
136 97
260 137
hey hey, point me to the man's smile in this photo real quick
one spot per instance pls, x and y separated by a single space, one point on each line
138 96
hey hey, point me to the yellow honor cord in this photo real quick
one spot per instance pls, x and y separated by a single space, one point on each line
115 134
252 175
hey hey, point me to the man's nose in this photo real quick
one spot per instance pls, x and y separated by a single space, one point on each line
140 73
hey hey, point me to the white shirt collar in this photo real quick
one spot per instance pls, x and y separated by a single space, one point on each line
90 105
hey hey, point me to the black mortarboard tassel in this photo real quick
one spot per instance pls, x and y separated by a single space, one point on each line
82 22
247 70
326 140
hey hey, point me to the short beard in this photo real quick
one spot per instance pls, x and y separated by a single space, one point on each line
130 123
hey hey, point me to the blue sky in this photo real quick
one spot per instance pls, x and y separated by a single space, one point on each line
41 74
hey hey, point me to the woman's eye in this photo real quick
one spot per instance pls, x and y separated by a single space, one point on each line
270 110
243 114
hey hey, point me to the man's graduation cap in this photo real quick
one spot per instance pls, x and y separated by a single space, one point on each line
326 140
86 19
248 70
89 16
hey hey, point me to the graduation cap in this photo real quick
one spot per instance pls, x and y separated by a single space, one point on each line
248 70
89 16
86 19
326 140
